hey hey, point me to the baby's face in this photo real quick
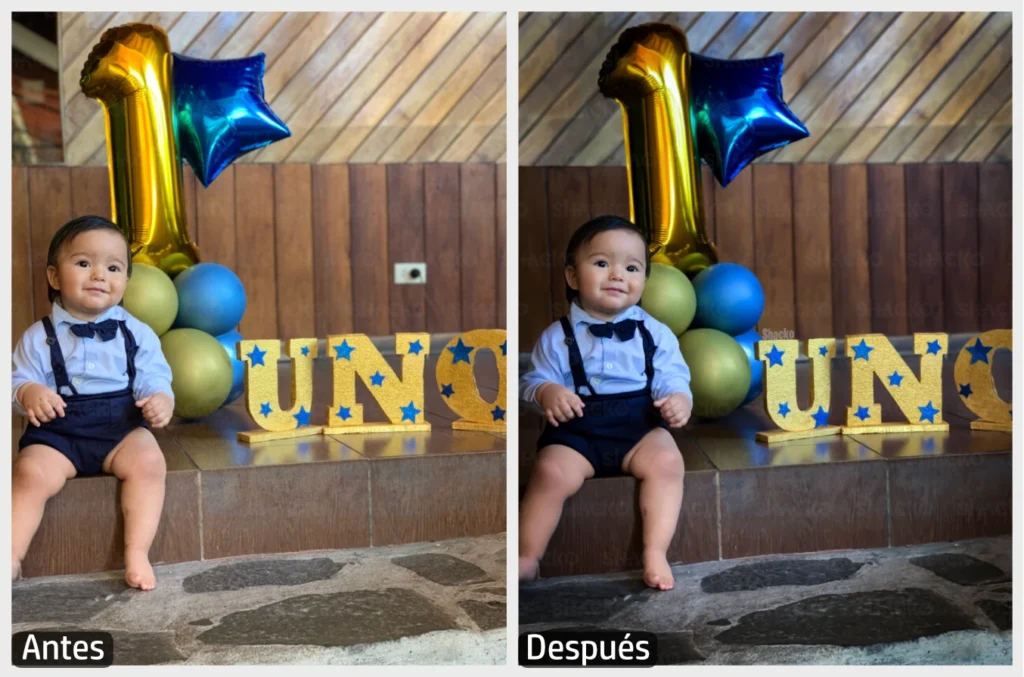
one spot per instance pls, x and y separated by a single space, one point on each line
609 273
91 272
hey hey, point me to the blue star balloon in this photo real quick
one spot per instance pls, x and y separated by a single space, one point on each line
220 113
739 112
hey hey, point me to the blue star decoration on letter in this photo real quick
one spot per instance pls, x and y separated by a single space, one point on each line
775 356
928 412
448 390
415 347
979 352
895 379
820 417
256 356
823 350
965 390
265 409
739 111
344 413
377 379
498 413
303 416
504 347
410 412
862 413
220 113
305 350
860 351
344 351
933 348
784 409
460 352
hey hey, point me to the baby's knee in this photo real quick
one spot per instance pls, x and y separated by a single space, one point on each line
32 474
549 473
667 462
147 460
151 464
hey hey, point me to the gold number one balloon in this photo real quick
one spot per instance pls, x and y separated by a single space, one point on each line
129 73
647 72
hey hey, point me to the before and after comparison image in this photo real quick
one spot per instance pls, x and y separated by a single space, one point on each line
718 373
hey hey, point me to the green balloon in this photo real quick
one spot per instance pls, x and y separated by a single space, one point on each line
201 371
150 297
669 297
719 371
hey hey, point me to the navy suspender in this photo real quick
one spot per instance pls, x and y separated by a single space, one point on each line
649 350
131 348
60 372
579 375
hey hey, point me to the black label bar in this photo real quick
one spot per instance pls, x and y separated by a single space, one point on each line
562 648
62 649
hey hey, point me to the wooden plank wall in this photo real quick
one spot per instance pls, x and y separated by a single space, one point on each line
885 87
314 245
353 87
839 249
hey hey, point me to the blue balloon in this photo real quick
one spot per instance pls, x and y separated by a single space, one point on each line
229 341
220 113
211 298
729 298
739 112
748 341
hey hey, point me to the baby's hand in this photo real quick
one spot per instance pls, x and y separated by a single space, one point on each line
157 408
675 409
41 403
560 403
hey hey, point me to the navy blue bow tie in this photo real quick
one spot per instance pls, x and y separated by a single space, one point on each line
105 330
624 329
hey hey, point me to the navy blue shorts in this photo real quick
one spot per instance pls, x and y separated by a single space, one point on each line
610 427
90 429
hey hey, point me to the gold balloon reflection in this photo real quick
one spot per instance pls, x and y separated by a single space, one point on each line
647 72
129 73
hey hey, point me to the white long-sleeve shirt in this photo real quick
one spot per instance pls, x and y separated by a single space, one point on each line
93 366
613 366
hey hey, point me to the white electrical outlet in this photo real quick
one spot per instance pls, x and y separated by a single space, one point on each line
410 273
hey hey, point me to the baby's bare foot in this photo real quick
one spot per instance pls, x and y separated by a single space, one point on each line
15 569
657 572
528 569
138 572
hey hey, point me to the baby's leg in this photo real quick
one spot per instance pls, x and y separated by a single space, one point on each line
38 474
657 463
557 475
139 463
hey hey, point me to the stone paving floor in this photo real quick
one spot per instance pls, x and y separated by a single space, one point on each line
939 604
430 603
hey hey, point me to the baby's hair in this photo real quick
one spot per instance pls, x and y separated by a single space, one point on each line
72 229
591 229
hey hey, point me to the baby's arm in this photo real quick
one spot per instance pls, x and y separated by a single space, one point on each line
545 367
542 369
671 373
31 396
542 382
152 377
671 385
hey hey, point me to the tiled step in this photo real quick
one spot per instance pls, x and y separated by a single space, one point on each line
742 498
225 499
